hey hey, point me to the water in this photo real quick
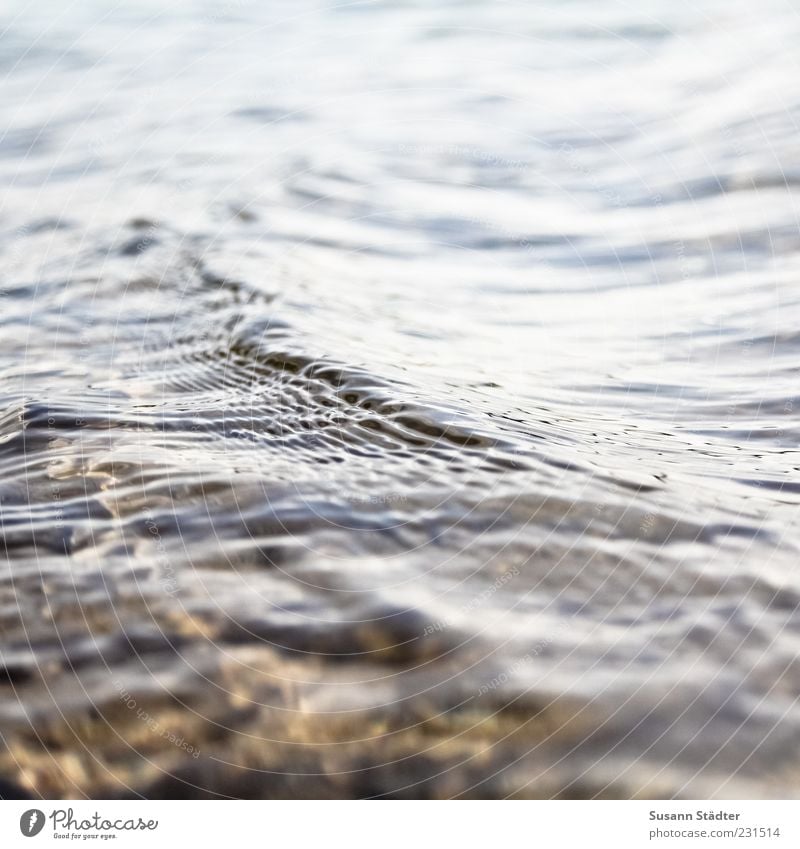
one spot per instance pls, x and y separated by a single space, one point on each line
400 399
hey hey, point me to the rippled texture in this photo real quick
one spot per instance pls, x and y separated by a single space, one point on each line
400 399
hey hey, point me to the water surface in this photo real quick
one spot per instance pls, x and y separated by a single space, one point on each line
400 399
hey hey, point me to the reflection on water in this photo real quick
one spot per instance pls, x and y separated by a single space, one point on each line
400 399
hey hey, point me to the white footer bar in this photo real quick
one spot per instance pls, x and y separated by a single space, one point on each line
402 825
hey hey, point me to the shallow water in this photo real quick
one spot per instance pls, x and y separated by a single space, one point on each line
400 399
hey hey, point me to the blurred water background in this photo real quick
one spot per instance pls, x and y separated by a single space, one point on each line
400 398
